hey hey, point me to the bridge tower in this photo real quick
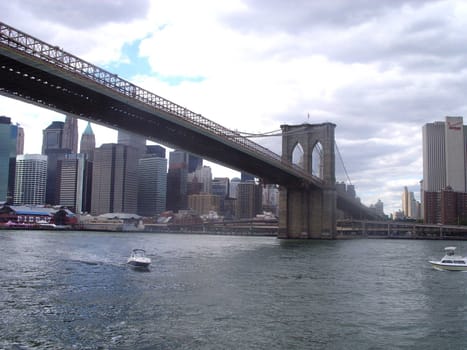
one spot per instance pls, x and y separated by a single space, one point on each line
308 210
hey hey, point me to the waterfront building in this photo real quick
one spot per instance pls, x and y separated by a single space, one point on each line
152 185
114 185
249 200
204 203
444 161
8 152
30 179
70 178
177 180
70 134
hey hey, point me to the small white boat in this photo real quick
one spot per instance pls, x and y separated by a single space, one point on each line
450 261
138 258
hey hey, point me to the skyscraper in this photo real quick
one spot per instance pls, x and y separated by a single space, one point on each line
444 155
134 140
88 142
444 161
114 186
8 151
249 200
70 178
177 181
70 134
30 179
152 185
87 147
52 147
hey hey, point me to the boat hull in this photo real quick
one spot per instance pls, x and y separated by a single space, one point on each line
448 267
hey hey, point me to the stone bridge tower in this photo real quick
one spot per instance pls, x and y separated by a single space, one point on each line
307 210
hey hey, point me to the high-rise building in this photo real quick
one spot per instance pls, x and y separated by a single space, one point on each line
233 187
88 142
152 185
249 200
70 178
30 179
134 140
155 151
52 147
177 181
444 155
444 161
221 187
8 152
194 163
200 181
86 148
20 141
114 186
271 199
70 134
204 203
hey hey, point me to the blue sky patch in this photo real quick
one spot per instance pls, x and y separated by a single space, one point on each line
132 64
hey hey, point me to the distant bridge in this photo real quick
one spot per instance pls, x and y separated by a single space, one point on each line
39 73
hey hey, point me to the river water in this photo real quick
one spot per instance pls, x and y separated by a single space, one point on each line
73 290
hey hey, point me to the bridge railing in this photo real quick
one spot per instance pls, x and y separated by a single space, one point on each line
25 43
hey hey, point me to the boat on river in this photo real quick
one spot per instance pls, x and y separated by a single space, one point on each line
450 261
138 258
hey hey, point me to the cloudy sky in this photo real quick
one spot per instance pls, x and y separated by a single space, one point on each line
379 70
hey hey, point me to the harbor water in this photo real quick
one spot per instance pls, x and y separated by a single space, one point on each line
73 290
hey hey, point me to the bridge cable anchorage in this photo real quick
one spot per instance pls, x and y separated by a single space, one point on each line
342 162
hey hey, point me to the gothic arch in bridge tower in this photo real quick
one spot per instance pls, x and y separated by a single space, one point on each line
297 155
309 210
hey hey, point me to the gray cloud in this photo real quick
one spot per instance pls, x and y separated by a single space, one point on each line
79 14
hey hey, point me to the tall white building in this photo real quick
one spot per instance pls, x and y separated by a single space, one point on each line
444 155
30 179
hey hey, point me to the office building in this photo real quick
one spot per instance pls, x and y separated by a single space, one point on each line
233 187
249 200
177 181
200 181
70 134
444 161
271 199
220 187
204 203
194 163
70 179
88 143
30 179
152 185
52 147
114 185
155 150
8 152
134 140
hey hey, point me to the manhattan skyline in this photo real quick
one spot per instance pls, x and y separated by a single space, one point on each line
378 72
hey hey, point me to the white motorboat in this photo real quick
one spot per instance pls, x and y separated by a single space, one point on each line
450 261
138 258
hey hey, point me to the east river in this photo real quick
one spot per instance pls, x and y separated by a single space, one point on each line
73 290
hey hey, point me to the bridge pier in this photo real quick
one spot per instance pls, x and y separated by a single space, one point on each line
307 211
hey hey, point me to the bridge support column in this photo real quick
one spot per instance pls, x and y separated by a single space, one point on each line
307 213
306 210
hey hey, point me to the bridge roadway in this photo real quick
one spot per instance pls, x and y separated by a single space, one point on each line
39 73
